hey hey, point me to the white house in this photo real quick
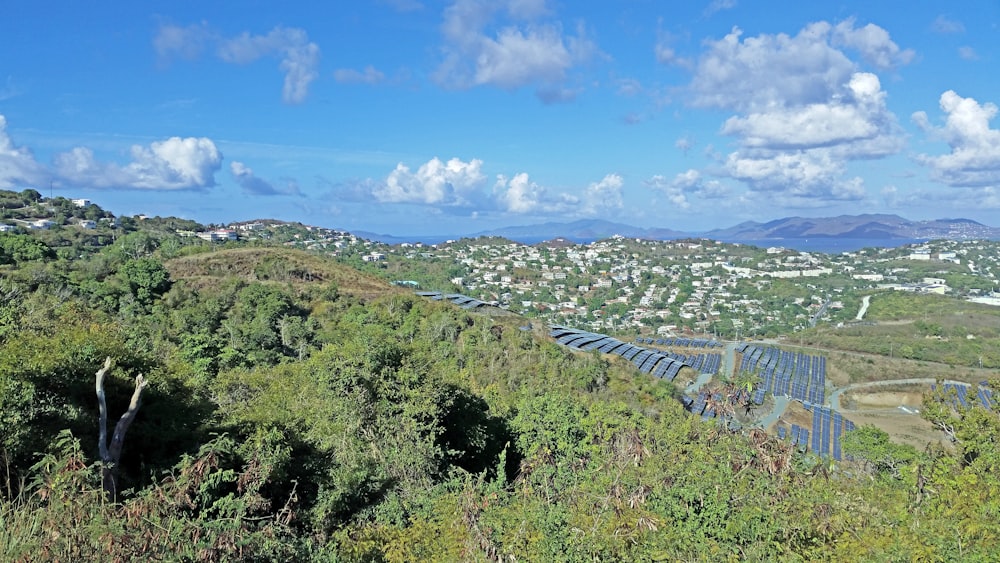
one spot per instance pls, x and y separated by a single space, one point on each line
218 235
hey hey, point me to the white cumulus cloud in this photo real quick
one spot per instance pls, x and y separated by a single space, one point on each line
525 52
974 160
691 182
665 53
186 42
299 56
804 108
856 113
767 71
944 24
521 195
452 183
873 43
816 174
255 185
968 53
604 196
718 6
18 167
370 75
172 164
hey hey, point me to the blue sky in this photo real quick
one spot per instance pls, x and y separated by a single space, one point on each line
413 117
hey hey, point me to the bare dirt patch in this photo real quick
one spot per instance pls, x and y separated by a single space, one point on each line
862 399
797 414
901 427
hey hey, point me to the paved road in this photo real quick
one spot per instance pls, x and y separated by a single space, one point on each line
780 404
820 313
865 301
835 396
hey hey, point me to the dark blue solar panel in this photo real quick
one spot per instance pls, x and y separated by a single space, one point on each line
626 349
673 370
610 346
647 366
560 332
961 391
817 430
632 352
826 432
984 398
566 339
593 344
641 357
585 338
699 404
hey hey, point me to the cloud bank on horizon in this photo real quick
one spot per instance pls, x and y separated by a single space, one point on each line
422 118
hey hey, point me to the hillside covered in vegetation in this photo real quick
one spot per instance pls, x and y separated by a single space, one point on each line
298 409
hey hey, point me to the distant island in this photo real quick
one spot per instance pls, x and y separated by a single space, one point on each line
867 227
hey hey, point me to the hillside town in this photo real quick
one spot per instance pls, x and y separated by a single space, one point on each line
671 287
688 286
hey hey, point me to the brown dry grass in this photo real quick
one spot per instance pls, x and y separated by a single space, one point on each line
880 398
277 265
901 427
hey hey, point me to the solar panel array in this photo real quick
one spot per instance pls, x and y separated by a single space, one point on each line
681 342
657 362
462 301
962 395
796 375
799 437
828 428
704 363
704 404
708 362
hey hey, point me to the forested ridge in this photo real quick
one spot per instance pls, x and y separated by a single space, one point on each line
297 409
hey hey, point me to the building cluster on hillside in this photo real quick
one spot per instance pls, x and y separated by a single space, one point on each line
686 285
619 283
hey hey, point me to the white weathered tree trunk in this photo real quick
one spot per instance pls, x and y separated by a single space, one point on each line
110 454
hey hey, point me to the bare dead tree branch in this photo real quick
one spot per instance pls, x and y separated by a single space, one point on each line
102 428
111 454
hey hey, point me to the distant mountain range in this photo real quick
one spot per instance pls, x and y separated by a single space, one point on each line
867 226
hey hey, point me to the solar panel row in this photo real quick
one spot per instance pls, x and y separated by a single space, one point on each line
659 363
827 429
963 395
458 299
681 342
